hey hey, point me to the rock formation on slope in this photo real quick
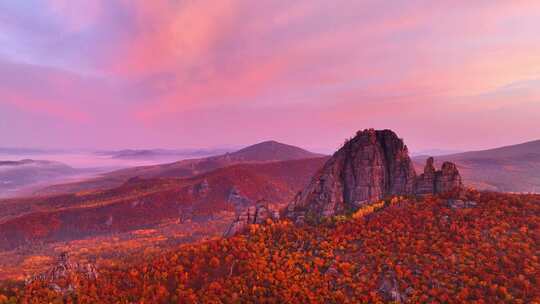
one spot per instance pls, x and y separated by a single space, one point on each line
203 188
65 275
434 181
370 166
238 201
257 214
448 179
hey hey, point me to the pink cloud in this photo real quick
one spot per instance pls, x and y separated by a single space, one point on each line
79 15
167 67
44 107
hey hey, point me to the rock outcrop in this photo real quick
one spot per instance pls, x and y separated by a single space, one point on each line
389 288
65 276
425 183
203 188
370 166
257 214
373 165
461 204
238 201
448 179
434 181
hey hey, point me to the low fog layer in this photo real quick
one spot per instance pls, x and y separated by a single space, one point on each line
22 172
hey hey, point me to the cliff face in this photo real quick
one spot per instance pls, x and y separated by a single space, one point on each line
370 166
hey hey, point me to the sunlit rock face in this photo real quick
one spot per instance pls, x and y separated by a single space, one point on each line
372 165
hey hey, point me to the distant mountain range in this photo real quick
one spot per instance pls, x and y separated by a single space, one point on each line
15 174
268 151
434 152
514 168
160 153
26 151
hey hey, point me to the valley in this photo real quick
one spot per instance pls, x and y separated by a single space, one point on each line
193 208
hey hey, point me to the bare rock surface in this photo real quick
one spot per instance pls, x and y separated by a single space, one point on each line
389 288
373 165
239 202
65 275
461 204
370 166
448 179
257 214
434 181
203 188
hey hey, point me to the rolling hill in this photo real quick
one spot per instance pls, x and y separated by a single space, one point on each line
143 203
513 168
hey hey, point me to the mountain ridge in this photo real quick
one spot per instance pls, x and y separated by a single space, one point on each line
266 151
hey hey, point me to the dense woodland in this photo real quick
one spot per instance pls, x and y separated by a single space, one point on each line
423 249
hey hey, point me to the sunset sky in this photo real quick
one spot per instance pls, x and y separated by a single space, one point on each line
172 74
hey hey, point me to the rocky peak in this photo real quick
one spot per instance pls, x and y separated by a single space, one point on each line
370 166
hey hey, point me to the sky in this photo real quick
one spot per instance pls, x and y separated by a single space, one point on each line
109 74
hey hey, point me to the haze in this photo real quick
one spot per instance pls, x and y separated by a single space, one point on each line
118 74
